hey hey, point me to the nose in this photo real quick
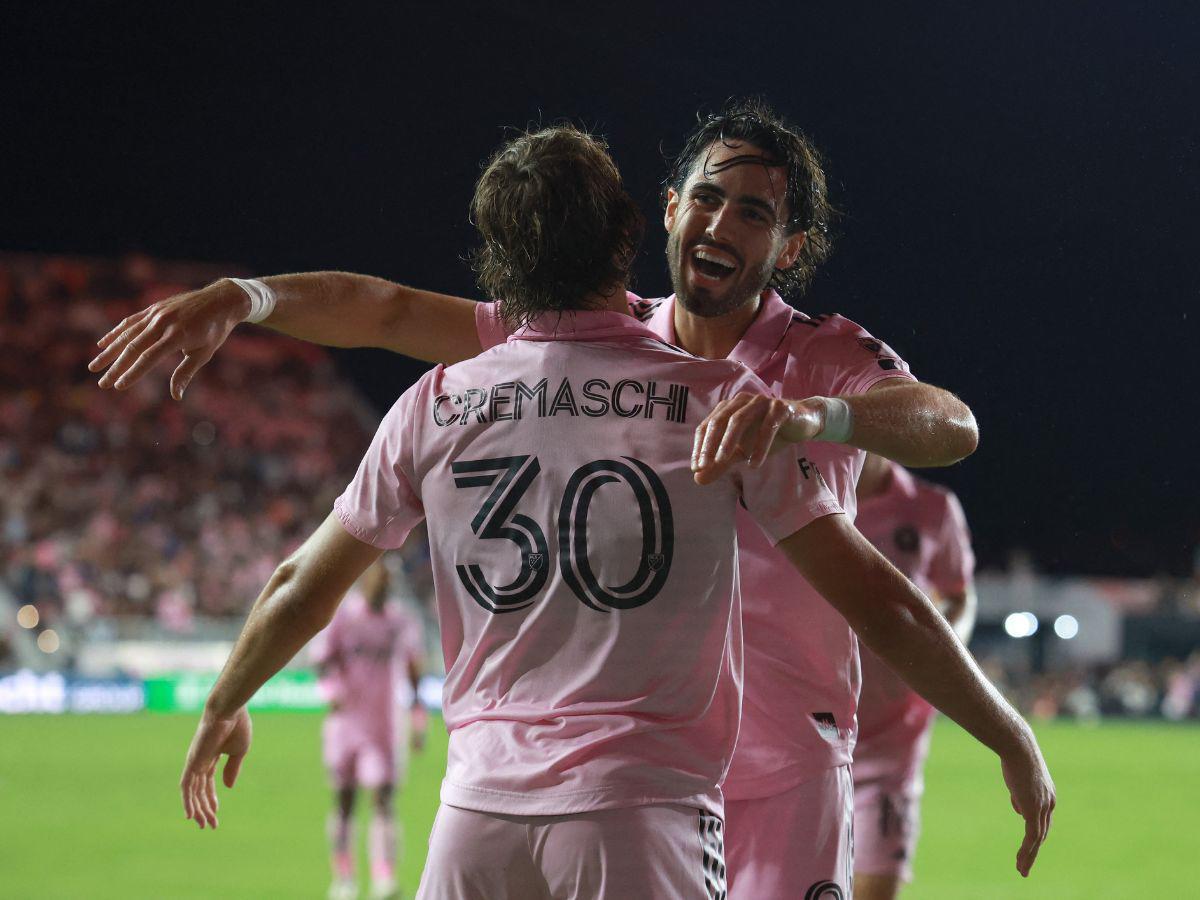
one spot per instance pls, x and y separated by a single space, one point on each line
719 222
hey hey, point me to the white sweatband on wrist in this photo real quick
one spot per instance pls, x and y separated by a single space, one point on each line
262 298
839 421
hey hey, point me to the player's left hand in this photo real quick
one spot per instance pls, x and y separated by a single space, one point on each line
746 427
214 736
1031 791
194 323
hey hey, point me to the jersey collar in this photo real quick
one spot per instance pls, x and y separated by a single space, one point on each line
583 325
757 345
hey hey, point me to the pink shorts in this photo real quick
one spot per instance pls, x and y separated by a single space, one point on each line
643 852
887 822
797 844
354 757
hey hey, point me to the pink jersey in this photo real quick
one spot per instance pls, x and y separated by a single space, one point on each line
363 653
586 586
920 527
801 664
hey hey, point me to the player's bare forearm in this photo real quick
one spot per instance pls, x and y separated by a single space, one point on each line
903 628
344 309
298 602
913 423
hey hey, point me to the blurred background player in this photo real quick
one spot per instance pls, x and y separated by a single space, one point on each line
921 529
362 656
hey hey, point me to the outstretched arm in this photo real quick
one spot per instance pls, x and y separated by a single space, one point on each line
337 309
903 628
911 423
297 602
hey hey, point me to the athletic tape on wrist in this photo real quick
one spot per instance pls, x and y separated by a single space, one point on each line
839 421
262 298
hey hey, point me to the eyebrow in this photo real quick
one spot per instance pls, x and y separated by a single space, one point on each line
744 199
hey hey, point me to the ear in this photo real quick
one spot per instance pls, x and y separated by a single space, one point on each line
791 250
672 208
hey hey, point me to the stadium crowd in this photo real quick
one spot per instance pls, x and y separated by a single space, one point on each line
1131 688
127 504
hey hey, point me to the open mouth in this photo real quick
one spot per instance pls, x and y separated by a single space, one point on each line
712 264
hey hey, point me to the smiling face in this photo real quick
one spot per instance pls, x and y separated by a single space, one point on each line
727 231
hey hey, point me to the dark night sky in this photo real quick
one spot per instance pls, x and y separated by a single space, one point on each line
1021 186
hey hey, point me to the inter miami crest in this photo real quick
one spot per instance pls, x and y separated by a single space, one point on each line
906 539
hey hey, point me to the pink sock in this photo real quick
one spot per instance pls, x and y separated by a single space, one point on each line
381 844
341 844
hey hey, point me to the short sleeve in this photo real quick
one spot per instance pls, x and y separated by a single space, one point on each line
953 564
848 359
780 496
489 325
380 506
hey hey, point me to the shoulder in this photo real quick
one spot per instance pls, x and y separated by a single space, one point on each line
839 354
830 330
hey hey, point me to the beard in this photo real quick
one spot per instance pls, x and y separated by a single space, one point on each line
708 303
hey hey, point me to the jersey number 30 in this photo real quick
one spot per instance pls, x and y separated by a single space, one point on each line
510 477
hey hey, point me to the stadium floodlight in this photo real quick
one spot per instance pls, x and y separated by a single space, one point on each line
47 641
1066 626
1020 624
28 616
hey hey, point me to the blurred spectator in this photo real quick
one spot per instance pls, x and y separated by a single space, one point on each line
129 504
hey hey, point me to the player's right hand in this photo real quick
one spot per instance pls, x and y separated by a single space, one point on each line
214 737
194 323
1032 793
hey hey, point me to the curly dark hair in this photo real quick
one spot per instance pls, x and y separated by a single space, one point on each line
556 222
753 121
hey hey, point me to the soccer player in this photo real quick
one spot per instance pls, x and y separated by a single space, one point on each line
592 680
367 648
921 529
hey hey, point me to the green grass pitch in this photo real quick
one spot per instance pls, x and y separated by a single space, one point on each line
89 809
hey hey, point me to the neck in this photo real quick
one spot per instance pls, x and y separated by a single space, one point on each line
875 478
613 301
714 338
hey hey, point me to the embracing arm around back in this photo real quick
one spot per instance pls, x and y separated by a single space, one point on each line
913 423
337 309
905 630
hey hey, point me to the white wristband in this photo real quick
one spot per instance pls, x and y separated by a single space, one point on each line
262 298
839 421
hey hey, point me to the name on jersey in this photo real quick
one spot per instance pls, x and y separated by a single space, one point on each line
514 400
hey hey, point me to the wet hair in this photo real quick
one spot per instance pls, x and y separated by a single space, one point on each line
753 121
557 224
